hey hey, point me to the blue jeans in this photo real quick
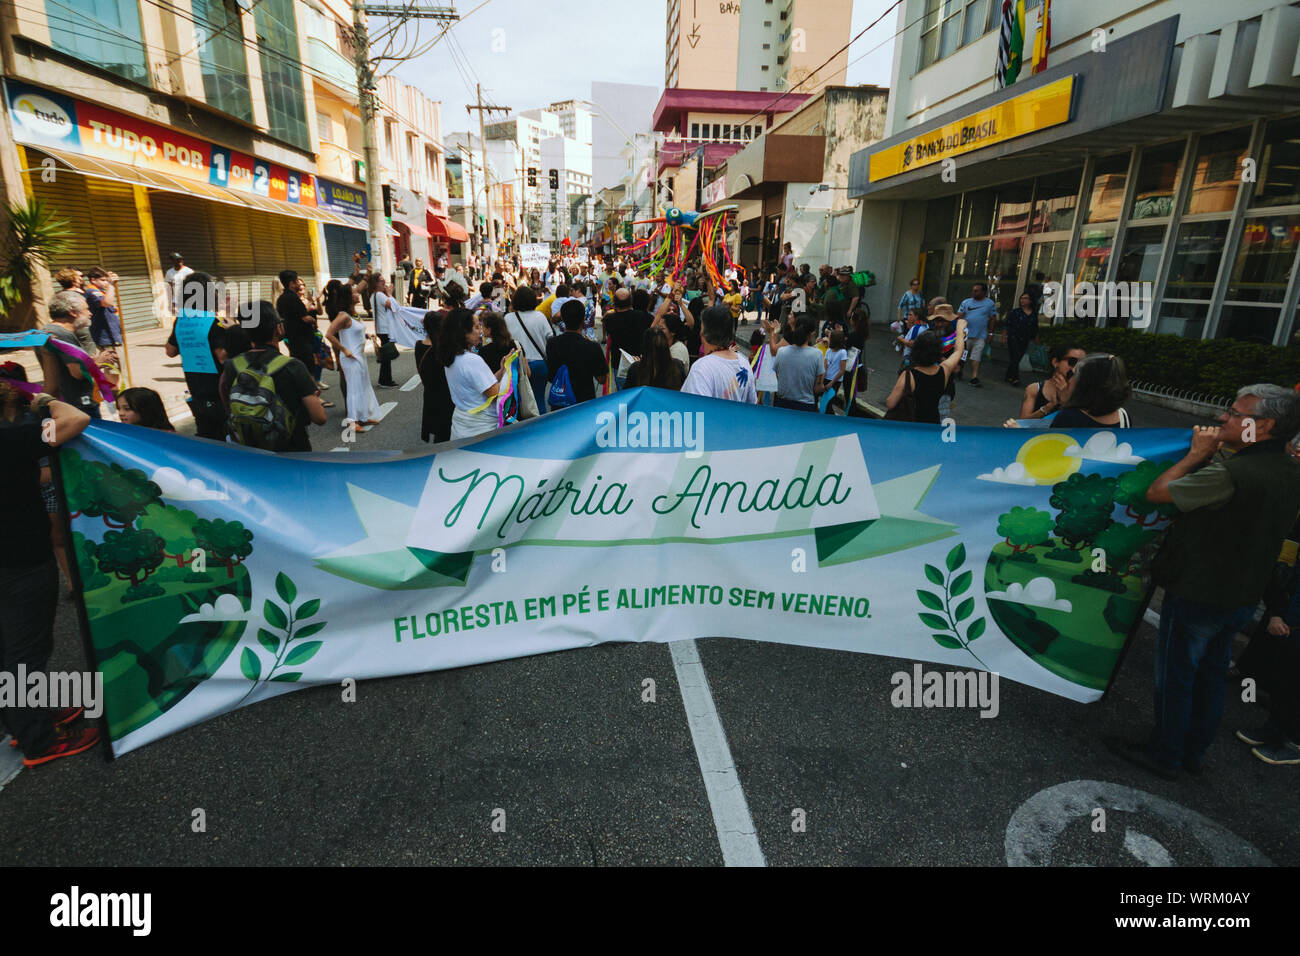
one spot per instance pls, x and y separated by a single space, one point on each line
1193 651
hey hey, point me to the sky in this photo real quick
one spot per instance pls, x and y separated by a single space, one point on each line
528 54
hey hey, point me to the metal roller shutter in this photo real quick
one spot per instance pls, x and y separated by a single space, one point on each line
340 243
287 246
232 241
181 225
105 231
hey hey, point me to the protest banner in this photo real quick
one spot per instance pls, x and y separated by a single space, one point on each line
534 255
211 581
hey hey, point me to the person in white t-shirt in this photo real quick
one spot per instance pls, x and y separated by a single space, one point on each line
385 309
720 373
175 278
472 384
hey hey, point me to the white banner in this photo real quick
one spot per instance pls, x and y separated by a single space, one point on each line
534 255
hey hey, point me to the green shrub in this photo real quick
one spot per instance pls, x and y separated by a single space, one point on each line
1210 366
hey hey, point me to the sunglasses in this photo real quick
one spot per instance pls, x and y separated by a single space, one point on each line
1073 360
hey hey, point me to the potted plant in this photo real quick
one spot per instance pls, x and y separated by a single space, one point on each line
33 237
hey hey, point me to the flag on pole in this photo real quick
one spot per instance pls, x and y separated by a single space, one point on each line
1011 42
1043 40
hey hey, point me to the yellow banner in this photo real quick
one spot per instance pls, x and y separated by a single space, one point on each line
1029 112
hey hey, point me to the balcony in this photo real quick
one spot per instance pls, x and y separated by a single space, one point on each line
333 65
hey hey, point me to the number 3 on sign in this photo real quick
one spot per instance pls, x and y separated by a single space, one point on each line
219 170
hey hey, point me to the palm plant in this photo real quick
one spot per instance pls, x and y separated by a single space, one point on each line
33 237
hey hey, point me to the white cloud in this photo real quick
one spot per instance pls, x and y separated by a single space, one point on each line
1104 446
1013 474
226 608
175 486
1040 592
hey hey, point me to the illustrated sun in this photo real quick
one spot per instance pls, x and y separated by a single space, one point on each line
1045 460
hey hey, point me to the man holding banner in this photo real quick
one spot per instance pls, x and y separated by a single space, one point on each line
197 338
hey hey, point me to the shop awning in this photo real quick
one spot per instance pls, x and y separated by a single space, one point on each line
125 173
415 230
440 227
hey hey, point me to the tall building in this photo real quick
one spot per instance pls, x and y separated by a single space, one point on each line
769 46
1160 146
575 119
622 113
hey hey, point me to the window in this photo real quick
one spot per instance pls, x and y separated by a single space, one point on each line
105 33
726 131
717 131
764 67
219 38
1105 196
1265 259
324 127
695 131
277 44
1055 198
1279 168
1216 174
1157 179
1139 260
767 46
947 25
1195 262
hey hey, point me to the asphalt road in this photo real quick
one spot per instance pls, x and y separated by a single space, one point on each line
585 772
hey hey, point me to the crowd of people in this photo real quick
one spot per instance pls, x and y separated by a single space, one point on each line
577 328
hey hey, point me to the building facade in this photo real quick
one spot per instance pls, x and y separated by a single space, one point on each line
1154 158
153 131
769 46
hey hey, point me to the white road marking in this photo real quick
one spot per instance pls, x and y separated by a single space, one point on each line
1146 849
384 409
1038 823
341 448
1151 617
736 835
411 383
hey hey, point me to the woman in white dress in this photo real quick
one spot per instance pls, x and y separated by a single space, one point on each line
348 335
472 383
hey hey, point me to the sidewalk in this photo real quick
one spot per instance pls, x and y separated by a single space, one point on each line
990 405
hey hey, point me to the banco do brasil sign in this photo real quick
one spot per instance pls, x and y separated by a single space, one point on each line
1029 112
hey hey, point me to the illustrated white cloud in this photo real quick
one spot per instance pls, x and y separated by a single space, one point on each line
1040 592
174 485
1104 446
1013 474
227 607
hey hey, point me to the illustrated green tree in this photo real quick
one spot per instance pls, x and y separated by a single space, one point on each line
130 555
226 542
1023 528
84 550
80 478
175 527
1131 492
116 494
1085 503
1121 542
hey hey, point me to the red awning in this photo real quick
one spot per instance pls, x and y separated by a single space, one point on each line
440 227
415 230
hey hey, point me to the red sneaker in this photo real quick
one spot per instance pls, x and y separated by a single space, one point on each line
74 743
61 721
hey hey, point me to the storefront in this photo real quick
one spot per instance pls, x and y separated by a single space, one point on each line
134 192
408 214
342 242
1104 169
446 234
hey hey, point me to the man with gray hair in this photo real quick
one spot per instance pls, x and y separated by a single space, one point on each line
1216 560
64 376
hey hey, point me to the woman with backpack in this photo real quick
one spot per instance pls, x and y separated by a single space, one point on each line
472 385
348 336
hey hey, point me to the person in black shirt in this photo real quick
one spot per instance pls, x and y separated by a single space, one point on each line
624 329
29 578
293 383
299 320
584 358
198 293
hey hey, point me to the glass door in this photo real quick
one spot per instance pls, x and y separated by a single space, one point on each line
1045 260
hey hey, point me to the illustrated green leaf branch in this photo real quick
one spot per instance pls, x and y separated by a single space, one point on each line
954 585
285 620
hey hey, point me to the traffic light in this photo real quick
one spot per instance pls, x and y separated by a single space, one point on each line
532 175
555 179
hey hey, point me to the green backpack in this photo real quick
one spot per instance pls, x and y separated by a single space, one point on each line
258 416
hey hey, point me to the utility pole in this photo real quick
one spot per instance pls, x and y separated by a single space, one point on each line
482 143
368 100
